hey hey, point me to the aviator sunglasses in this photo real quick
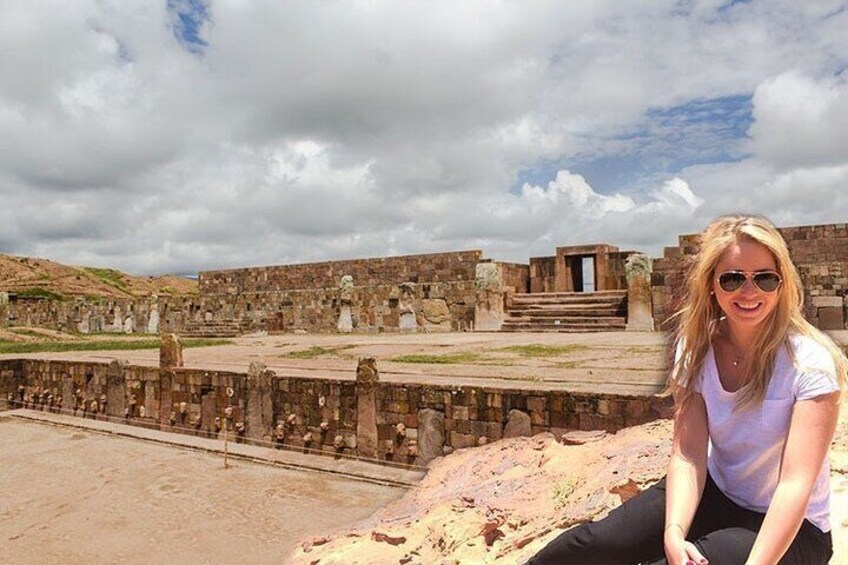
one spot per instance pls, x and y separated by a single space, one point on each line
766 281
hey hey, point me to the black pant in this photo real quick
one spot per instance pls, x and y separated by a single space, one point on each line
722 530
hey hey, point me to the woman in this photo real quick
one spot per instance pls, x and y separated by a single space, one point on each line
756 391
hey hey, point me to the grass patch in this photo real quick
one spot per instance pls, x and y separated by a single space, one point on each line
101 345
561 491
311 353
38 292
539 350
446 359
111 277
29 333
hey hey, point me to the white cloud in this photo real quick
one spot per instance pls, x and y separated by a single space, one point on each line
331 130
800 121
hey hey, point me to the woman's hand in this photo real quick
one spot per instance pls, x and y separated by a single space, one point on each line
678 551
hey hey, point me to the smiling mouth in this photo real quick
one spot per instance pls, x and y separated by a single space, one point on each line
748 306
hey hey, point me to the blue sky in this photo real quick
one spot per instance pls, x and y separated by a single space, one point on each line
186 135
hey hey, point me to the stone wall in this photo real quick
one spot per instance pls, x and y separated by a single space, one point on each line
819 252
516 277
542 274
426 268
437 306
311 413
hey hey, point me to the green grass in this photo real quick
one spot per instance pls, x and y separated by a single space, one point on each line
29 333
446 359
38 292
100 345
561 491
538 350
316 351
311 353
109 276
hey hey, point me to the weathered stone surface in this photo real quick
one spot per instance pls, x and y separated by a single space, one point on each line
579 437
345 324
517 424
153 319
116 389
170 351
831 318
367 378
435 311
260 409
827 301
489 304
501 502
640 317
430 435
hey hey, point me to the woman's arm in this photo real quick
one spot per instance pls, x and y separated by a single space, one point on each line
687 473
810 433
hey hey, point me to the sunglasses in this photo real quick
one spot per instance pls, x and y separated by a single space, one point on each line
766 281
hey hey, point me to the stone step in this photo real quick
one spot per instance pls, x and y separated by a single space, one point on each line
565 312
581 320
572 300
564 328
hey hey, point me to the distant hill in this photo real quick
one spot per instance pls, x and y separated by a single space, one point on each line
29 276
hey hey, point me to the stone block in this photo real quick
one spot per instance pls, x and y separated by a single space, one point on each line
827 301
517 425
536 403
430 435
831 318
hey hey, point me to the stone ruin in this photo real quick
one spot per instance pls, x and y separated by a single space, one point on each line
441 292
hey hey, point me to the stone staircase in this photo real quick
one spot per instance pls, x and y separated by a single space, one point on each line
602 311
217 328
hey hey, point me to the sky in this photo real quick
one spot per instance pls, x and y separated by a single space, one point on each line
186 135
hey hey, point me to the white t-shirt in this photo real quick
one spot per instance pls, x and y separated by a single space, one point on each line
746 445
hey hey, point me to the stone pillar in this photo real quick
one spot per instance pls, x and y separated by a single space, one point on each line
431 435
260 414
640 315
67 393
170 358
116 389
153 318
489 305
367 378
345 324
408 322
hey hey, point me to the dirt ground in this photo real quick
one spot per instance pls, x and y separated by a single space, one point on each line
73 496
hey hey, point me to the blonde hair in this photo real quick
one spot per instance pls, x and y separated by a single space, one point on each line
697 319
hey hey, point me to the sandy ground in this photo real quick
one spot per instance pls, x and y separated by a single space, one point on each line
612 362
73 496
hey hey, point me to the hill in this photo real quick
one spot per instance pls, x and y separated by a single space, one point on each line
30 276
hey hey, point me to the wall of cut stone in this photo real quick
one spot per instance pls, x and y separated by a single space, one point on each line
314 413
543 274
820 253
425 268
516 277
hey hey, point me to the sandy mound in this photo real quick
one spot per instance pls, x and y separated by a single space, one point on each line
48 278
503 502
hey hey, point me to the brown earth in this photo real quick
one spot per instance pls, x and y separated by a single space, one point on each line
21 274
72 496
503 502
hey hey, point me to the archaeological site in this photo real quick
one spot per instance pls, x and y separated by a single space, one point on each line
397 410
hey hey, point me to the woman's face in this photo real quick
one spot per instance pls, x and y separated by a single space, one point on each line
748 306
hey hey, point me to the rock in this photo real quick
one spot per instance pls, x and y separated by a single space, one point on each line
170 351
385 538
431 435
578 437
435 311
517 424
502 502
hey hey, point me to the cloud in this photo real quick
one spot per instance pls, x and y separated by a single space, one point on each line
189 135
801 121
